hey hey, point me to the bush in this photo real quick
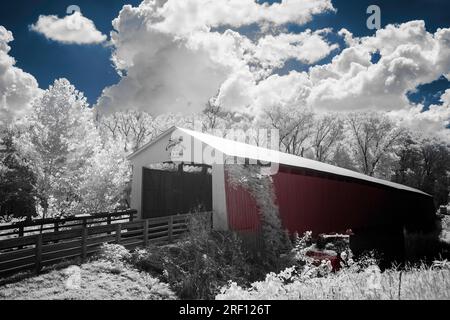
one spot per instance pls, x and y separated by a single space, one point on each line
427 246
114 253
445 229
199 265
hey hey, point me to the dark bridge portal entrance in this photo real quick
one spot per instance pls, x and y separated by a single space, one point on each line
166 193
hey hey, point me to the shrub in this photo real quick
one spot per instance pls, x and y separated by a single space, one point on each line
445 229
114 253
199 265
427 246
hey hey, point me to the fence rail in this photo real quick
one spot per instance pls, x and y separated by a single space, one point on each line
24 228
37 251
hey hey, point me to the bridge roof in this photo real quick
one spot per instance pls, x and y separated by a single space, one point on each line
243 150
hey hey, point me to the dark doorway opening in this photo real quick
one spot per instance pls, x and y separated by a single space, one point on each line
166 193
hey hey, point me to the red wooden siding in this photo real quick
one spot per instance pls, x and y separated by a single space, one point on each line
319 203
243 214
323 205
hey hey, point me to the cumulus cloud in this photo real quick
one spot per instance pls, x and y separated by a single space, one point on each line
308 47
72 29
171 57
17 88
433 123
289 90
188 15
410 56
175 78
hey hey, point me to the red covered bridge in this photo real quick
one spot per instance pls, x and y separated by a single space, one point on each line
310 195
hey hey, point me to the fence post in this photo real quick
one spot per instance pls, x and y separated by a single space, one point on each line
38 253
56 229
108 222
21 229
170 232
145 232
118 233
84 234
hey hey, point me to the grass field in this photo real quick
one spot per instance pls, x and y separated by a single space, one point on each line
95 280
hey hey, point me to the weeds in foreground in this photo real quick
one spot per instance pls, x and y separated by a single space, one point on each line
198 266
359 279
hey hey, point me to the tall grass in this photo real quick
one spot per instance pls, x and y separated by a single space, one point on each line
422 283
199 265
419 284
359 279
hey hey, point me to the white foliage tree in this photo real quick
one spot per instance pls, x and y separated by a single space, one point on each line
61 145
130 129
215 118
342 156
295 125
327 133
104 180
374 140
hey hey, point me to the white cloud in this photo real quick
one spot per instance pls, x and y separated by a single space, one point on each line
188 15
244 94
431 123
17 88
163 72
410 56
72 29
308 47
289 90
174 78
172 60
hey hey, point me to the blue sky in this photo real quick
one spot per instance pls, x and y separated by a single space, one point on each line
90 69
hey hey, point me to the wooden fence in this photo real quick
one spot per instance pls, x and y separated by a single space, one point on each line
37 251
24 228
